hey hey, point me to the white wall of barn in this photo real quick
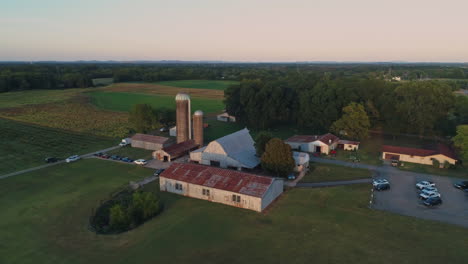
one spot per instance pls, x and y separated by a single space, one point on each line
216 195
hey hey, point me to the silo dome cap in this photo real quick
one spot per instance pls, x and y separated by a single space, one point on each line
182 97
198 112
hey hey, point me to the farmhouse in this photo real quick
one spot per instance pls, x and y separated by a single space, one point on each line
175 151
302 160
149 142
235 151
234 188
225 117
321 144
440 152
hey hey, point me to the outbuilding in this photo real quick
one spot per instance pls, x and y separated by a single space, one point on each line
175 151
225 117
348 144
302 161
149 142
234 188
317 143
439 152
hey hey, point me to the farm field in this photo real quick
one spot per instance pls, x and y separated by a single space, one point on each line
45 217
200 84
75 114
31 97
24 145
329 172
123 102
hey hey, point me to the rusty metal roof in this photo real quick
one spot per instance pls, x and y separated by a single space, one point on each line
150 138
180 148
223 179
349 142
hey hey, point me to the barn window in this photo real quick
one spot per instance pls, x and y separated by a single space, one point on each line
236 198
178 186
206 192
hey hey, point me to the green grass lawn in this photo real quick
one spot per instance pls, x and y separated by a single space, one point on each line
29 97
200 84
117 101
24 146
133 153
44 219
319 172
219 129
459 172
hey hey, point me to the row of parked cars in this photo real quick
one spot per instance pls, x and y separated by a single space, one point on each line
428 193
118 158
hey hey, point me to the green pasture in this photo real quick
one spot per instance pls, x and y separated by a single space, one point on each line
200 84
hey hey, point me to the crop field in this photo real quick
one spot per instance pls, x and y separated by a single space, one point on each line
157 89
45 216
200 84
119 101
30 97
76 115
24 146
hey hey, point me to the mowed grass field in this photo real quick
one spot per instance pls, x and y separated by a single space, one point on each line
200 84
24 146
44 219
328 172
120 101
34 97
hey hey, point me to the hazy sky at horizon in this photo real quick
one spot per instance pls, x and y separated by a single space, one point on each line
241 30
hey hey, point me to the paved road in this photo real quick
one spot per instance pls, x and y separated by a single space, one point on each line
53 164
331 184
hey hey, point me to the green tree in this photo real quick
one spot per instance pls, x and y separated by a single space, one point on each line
144 206
354 123
461 141
118 218
143 118
278 158
261 140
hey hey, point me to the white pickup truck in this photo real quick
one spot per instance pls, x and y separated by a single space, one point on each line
125 142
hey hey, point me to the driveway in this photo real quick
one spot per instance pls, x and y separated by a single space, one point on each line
403 198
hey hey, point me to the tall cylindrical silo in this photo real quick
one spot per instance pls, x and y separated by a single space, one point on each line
183 122
198 127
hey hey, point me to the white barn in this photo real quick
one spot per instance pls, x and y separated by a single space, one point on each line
234 151
234 188
321 144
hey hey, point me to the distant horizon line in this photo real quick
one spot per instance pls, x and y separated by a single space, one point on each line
230 62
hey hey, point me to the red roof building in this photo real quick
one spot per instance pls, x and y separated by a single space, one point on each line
439 152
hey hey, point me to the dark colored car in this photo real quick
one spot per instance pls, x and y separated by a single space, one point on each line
432 201
382 187
98 154
126 159
51 160
462 185
158 172
105 156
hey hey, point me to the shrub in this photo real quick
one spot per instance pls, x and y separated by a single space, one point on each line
435 163
118 218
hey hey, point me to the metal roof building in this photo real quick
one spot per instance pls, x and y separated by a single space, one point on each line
235 150
229 187
149 142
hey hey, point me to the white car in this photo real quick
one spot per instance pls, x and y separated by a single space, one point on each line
140 162
429 189
423 184
123 144
72 158
376 182
428 194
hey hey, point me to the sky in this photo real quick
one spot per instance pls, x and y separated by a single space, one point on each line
235 30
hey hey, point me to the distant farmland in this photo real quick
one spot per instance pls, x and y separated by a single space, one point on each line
200 84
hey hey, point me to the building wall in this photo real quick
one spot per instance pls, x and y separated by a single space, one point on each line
216 195
311 146
146 145
422 160
225 161
350 147
275 190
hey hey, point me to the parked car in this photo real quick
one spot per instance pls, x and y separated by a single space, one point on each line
126 159
462 185
291 177
158 172
115 157
382 186
163 129
428 194
72 158
394 163
429 189
105 156
99 154
432 201
51 160
423 184
140 162
125 142
376 182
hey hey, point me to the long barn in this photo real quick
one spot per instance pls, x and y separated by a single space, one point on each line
230 187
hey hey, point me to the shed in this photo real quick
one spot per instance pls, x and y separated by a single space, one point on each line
313 143
301 159
175 151
150 142
439 152
234 188
173 131
225 117
348 144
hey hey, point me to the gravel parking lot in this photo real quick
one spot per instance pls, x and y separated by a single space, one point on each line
403 197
